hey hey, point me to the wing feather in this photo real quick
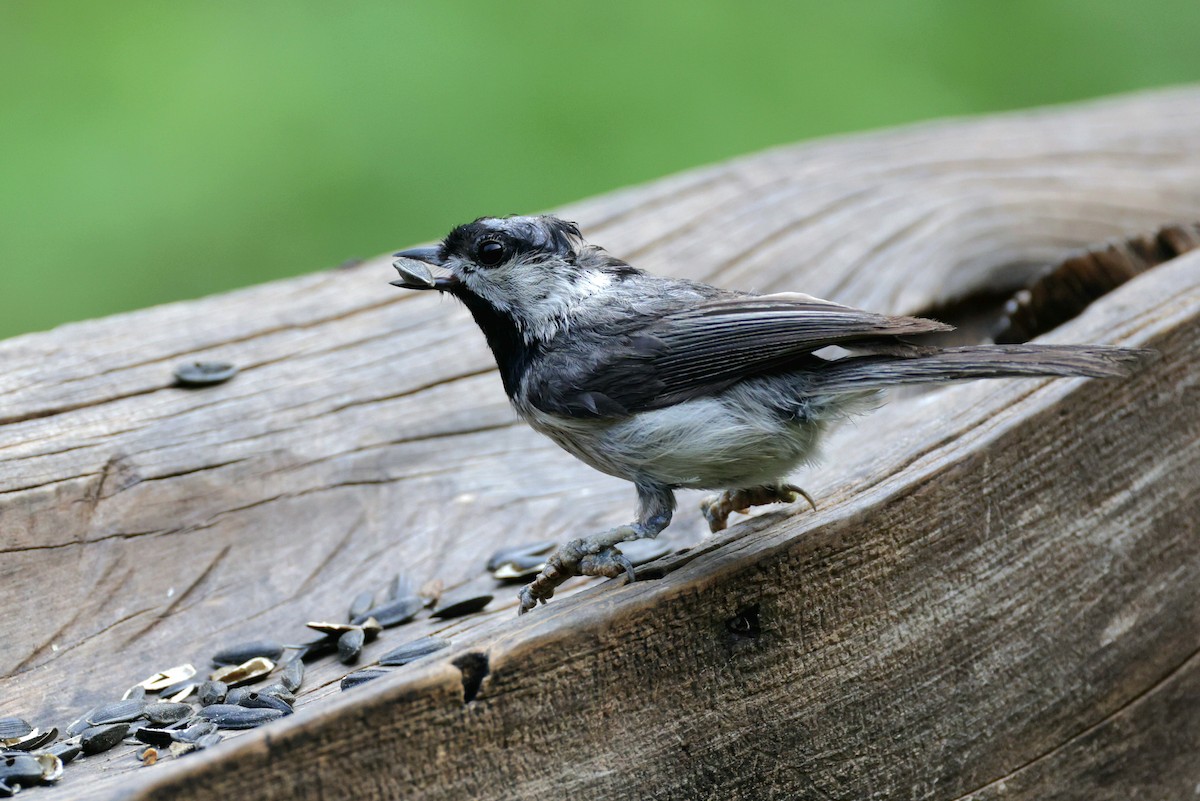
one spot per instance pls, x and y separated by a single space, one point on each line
704 349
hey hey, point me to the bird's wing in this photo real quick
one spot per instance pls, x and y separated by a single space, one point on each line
708 347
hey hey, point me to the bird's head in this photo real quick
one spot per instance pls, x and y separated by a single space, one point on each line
533 270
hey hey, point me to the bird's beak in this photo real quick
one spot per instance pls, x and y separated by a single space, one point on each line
415 275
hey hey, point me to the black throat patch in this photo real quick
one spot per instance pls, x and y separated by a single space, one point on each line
513 355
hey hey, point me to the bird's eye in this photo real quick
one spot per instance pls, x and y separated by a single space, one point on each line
491 253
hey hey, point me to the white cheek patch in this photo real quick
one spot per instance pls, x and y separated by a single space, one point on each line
540 297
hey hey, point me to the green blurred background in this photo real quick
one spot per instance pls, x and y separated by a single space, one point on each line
153 150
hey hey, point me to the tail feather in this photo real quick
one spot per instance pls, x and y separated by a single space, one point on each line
856 373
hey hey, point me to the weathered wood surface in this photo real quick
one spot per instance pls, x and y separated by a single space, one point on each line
996 598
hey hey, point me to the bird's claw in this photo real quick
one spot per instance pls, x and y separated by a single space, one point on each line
717 508
581 557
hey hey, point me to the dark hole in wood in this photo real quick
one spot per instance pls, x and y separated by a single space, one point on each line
474 667
745 623
650 573
1060 292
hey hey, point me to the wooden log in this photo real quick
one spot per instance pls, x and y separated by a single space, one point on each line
996 598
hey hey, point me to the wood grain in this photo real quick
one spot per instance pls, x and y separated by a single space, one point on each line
996 598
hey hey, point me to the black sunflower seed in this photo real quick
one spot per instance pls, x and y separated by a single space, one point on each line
244 652
213 692
457 606
414 650
350 645
165 712
14 728
292 675
117 712
203 374
229 716
361 677
361 603
98 739
394 612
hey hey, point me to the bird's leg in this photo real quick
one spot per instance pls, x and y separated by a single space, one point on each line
717 508
598 555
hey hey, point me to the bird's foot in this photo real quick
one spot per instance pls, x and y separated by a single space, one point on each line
717 508
588 556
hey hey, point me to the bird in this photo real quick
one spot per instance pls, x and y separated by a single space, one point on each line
675 384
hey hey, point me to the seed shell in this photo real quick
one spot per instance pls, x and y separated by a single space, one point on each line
462 605
361 677
520 554
228 716
244 652
203 374
34 740
165 679
52 767
244 673
414 650
98 739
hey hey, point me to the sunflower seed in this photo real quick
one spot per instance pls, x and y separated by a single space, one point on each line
277 690
160 738
414 650
135 693
98 739
361 603
193 733
14 729
116 712
19 769
521 554
361 677
208 741
292 675
202 374
350 645
235 696
394 612
167 678
461 605
370 627
244 673
253 700
228 716
213 692
399 585
66 750
165 712
244 652
52 767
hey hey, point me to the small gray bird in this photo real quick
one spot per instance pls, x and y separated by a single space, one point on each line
675 384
